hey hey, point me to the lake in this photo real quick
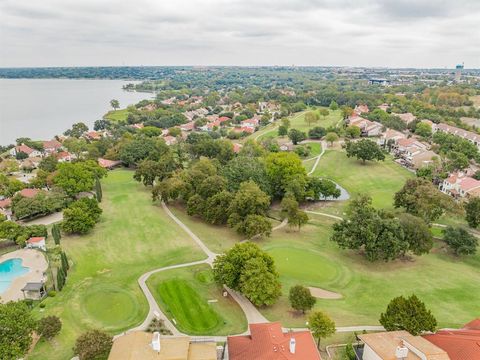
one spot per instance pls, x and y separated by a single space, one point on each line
42 108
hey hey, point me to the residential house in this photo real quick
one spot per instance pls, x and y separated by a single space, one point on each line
28 193
170 140
244 129
93 135
459 185
64 156
360 109
252 123
109 164
237 147
367 127
25 149
37 242
5 210
397 345
391 136
51 146
383 107
460 344
407 118
142 345
465 134
188 126
268 341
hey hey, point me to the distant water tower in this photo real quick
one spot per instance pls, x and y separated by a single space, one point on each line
458 71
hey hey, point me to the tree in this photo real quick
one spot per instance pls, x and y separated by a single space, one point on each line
301 299
282 130
93 345
364 149
20 155
256 225
333 105
77 130
60 279
311 117
353 131
378 233
460 241
408 314
214 211
472 209
296 136
78 177
17 325
98 190
321 325
48 164
56 234
322 189
281 169
457 161
258 283
286 122
323 113
317 132
49 326
115 104
101 124
423 129
421 198
243 168
295 216
416 234
331 137
245 267
81 216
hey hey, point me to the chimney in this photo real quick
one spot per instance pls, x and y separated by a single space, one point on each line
292 345
401 352
156 341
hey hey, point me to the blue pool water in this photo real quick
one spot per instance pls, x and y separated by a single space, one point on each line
9 270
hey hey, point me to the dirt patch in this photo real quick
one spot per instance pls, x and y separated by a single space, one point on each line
324 294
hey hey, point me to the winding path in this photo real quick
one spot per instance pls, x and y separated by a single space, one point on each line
251 312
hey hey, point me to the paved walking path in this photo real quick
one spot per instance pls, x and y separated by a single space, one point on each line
46 220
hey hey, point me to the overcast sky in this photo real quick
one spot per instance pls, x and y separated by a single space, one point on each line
396 33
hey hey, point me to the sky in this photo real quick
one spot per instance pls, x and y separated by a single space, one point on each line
386 33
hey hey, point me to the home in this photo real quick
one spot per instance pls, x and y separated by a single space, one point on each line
421 159
460 344
51 146
109 164
28 193
268 341
459 185
407 118
138 345
360 109
244 129
37 242
188 126
25 149
252 123
397 345
467 135
170 140
237 147
93 135
367 127
383 107
5 205
391 137
64 156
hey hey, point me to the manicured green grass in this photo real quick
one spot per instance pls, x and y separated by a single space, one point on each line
447 284
117 115
379 179
332 119
133 237
183 295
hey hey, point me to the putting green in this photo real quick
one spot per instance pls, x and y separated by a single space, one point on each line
110 307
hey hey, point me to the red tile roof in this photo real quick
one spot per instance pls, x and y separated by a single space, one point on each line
5 203
460 344
51 144
25 149
35 239
29 193
108 163
268 342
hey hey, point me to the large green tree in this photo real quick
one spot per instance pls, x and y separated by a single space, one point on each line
16 327
93 345
81 216
301 299
416 233
364 149
281 169
321 325
250 270
77 177
460 240
408 314
472 209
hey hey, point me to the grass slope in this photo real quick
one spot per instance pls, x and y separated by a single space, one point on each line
332 119
116 115
183 295
132 237
447 284
379 179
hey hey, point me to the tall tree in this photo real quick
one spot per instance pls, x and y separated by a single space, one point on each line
56 234
98 190
364 149
472 209
282 168
311 117
460 241
115 104
93 345
321 325
301 299
296 136
16 327
408 314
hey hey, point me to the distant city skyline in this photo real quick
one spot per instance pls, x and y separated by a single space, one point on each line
361 33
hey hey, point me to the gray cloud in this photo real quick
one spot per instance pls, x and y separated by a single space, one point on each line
422 33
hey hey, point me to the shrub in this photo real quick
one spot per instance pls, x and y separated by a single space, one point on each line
93 345
49 326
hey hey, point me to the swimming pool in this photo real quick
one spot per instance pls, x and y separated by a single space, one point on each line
9 270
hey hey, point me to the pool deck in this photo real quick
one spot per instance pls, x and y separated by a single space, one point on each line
33 259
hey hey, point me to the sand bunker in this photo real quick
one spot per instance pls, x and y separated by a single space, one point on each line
324 294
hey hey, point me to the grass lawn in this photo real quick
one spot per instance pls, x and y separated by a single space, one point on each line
183 295
298 121
379 179
132 237
447 284
117 115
